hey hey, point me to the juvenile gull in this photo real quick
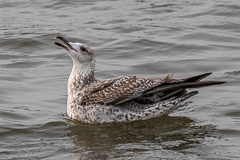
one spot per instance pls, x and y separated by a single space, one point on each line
121 99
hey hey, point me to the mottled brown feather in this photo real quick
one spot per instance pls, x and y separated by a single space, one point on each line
118 90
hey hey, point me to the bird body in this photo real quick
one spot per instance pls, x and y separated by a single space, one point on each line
121 99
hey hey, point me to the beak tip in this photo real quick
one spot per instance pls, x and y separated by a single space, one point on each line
58 44
58 37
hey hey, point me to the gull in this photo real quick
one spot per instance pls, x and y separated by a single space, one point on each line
121 99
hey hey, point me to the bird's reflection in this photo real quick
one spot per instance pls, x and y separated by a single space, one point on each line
164 133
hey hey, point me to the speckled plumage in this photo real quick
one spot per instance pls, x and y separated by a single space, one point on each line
121 99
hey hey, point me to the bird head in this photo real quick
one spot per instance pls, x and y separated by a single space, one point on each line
79 52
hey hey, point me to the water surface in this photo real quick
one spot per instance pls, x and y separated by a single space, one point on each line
145 38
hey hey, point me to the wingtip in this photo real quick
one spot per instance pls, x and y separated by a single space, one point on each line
203 76
197 78
209 73
221 82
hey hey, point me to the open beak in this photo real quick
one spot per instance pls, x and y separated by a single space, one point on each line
66 42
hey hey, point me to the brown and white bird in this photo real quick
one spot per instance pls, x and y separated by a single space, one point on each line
121 99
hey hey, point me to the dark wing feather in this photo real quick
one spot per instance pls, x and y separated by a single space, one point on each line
191 82
197 78
182 85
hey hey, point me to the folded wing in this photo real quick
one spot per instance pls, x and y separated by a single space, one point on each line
142 90
118 90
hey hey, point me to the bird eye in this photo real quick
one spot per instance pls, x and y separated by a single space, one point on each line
83 49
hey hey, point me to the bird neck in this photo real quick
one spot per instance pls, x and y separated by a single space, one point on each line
81 75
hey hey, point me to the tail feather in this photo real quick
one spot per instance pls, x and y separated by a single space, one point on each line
178 102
